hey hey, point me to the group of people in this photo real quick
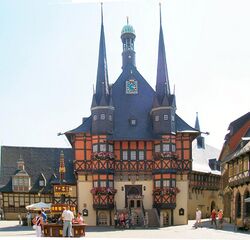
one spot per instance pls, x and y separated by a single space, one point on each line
214 216
67 217
123 220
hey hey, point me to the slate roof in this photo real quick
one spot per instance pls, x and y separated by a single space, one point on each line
37 161
201 158
128 106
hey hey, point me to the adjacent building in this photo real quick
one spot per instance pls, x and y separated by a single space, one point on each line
235 166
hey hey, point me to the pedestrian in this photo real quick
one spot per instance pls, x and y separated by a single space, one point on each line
115 219
198 218
38 222
220 219
44 215
28 216
79 219
19 219
213 218
67 217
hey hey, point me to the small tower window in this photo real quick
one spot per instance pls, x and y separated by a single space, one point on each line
103 147
157 118
41 183
172 117
95 117
110 117
102 116
165 117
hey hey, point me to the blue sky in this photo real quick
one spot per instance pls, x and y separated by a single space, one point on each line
49 53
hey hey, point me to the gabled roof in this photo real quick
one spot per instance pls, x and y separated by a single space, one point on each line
37 161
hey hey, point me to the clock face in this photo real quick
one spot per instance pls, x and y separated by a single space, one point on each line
131 87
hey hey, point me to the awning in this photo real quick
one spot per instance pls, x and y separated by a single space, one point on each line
247 199
39 206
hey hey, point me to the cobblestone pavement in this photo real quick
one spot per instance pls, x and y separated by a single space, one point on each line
11 230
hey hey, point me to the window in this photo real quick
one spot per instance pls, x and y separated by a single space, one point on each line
102 219
102 147
41 183
111 148
133 155
103 184
95 183
95 117
173 183
133 122
110 117
165 117
111 184
102 116
157 148
158 183
173 148
157 118
95 148
172 117
165 147
166 183
141 155
124 155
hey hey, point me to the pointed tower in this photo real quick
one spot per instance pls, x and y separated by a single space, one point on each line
164 106
128 38
101 110
200 140
62 168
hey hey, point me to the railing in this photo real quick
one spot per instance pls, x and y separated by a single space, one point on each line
202 185
239 179
132 166
70 201
14 209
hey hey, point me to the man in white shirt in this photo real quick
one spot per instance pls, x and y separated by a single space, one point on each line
67 217
198 218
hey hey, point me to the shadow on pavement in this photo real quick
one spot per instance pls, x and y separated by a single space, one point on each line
16 228
226 227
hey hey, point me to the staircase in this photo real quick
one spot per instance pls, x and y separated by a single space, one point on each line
153 218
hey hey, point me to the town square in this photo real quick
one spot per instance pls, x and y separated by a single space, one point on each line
125 119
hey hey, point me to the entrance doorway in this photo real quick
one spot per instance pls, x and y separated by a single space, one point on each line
133 196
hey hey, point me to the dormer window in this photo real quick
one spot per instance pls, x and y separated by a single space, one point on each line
133 122
102 116
41 183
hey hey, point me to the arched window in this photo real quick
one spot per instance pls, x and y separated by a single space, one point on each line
238 205
246 205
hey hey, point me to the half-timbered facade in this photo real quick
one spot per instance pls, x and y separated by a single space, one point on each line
133 153
30 175
235 162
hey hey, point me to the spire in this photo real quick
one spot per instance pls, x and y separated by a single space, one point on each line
102 70
162 81
62 169
197 124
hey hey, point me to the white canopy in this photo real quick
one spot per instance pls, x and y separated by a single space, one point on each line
247 199
39 206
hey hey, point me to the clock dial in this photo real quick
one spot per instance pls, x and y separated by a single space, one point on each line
131 87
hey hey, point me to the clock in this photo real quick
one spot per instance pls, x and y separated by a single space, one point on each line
131 87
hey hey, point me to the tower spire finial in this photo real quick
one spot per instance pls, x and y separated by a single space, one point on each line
160 11
102 11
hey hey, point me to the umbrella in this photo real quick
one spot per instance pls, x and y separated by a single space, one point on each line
247 199
39 206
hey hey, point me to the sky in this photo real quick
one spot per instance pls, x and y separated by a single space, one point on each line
49 54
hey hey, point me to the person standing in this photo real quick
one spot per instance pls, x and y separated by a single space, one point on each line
213 218
79 218
38 221
19 219
44 215
220 219
67 217
198 218
28 216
